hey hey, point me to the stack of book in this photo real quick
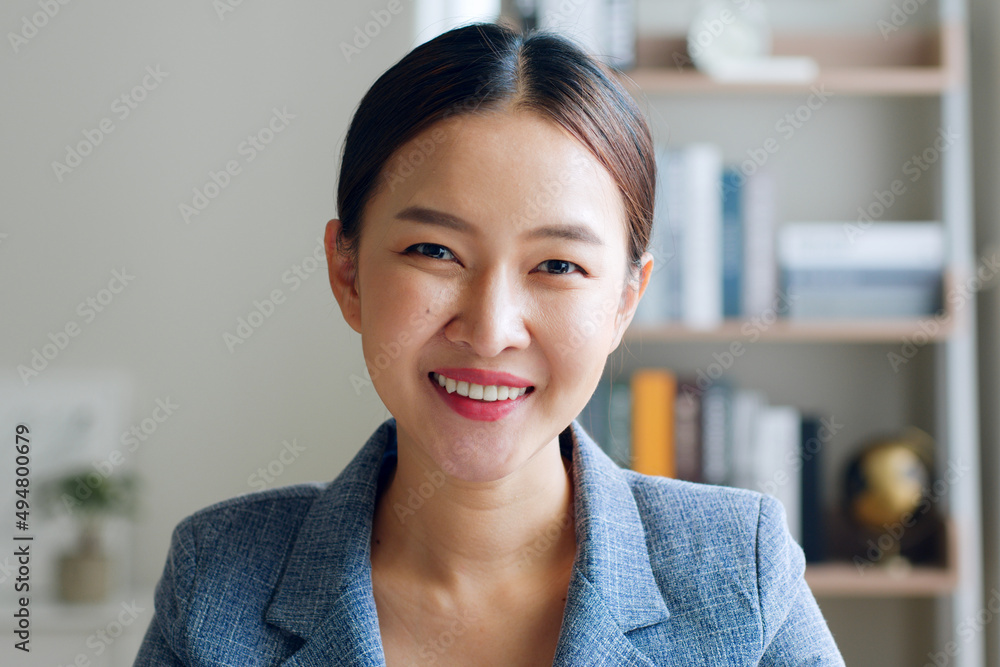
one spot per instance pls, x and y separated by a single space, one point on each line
712 242
719 254
846 270
656 424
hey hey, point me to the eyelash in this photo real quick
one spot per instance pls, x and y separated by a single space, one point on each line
415 248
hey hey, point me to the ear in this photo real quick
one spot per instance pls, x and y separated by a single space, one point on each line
343 277
630 299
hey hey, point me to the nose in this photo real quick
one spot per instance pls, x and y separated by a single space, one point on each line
490 315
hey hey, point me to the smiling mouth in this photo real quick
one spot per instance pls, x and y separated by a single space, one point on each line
479 392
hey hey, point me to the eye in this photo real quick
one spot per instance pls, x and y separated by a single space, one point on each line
431 250
560 267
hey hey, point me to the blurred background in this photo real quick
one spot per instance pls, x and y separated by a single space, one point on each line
169 338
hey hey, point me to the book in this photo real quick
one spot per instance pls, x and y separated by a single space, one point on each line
841 270
747 406
778 471
702 242
760 269
654 307
732 243
619 446
654 392
814 524
687 435
716 429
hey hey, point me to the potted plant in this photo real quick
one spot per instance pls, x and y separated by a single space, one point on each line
89 497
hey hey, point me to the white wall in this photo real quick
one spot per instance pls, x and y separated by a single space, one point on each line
119 208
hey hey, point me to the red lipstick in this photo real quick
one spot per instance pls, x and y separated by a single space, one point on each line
475 409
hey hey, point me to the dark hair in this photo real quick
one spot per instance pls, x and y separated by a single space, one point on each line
490 67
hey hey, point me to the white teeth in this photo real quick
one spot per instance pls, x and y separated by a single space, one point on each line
478 391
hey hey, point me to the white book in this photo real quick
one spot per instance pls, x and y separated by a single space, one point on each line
760 268
747 407
778 468
702 243
654 306
847 245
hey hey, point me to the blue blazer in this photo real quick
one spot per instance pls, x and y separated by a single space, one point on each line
666 573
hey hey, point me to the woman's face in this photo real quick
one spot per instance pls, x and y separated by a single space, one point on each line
495 257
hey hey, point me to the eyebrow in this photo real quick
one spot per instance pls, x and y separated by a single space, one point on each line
569 232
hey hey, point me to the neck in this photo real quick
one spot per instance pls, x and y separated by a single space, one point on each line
461 533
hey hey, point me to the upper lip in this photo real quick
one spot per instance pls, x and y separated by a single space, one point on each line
483 377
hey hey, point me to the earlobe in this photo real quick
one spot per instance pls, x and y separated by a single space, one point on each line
343 277
630 299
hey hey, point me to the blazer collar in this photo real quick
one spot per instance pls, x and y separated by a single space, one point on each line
325 593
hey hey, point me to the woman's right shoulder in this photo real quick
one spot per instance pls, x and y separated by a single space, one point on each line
265 518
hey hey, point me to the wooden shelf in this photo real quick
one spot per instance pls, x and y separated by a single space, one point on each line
785 331
845 580
842 580
911 63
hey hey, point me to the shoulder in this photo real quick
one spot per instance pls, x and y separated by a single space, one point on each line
223 564
258 527
704 514
710 543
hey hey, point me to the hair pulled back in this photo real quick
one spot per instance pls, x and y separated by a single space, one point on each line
489 67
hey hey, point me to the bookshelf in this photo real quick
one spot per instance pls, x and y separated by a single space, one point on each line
913 62
912 83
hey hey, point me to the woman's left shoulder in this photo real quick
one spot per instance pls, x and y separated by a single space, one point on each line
707 520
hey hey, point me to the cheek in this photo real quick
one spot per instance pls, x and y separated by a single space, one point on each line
580 331
403 307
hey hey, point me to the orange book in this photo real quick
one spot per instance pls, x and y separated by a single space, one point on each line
654 391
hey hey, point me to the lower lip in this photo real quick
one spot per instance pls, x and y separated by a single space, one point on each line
470 408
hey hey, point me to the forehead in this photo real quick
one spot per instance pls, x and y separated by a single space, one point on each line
518 167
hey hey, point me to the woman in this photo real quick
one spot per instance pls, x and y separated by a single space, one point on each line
495 198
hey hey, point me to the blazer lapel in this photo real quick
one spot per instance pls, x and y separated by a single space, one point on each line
612 590
325 595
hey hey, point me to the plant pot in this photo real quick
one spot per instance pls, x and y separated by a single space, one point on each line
83 577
